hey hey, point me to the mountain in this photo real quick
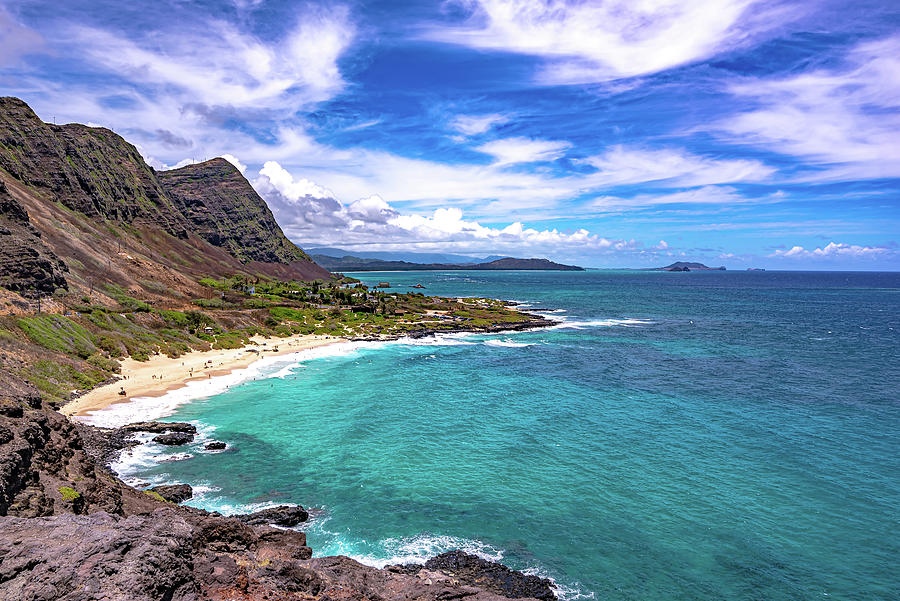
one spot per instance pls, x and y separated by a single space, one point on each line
222 208
80 209
351 263
410 257
686 266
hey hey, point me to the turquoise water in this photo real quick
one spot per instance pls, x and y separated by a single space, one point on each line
678 436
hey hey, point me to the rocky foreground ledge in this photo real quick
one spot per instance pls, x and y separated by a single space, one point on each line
70 529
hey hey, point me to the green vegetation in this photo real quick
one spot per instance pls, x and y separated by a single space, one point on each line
79 351
68 493
58 333
127 302
155 495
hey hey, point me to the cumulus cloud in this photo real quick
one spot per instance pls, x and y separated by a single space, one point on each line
835 250
599 41
472 125
508 151
844 119
310 214
236 162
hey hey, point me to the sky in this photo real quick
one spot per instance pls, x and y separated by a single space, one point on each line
623 133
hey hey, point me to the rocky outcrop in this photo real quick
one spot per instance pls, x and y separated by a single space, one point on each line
225 210
160 427
26 264
174 438
216 445
167 555
475 571
174 493
283 515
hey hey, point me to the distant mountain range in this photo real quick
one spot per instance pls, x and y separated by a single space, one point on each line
685 266
354 263
410 257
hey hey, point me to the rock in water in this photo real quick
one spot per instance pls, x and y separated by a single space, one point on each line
160 427
174 439
491 576
284 515
215 445
176 493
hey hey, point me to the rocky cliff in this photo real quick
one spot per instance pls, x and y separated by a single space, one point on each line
226 211
87 169
26 263
113 219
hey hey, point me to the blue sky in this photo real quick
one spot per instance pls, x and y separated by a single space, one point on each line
735 132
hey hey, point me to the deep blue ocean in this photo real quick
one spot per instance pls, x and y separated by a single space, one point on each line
678 436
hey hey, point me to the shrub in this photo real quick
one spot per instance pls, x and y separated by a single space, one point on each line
68 493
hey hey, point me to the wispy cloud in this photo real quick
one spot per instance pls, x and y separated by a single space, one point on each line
16 40
507 151
472 125
599 41
844 120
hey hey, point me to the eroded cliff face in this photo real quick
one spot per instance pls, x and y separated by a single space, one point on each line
26 263
88 169
227 212
97 203
71 530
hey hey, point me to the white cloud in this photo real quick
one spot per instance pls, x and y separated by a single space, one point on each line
236 162
835 250
472 125
508 151
218 65
310 214
630 165
16 39
598 41
843 119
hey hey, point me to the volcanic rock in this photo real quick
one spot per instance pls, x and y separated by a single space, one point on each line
176 493
215 445
283 515
489 575
174 438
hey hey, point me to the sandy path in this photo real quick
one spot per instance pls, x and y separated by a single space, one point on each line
161 374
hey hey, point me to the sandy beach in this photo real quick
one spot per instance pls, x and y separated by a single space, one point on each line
162 374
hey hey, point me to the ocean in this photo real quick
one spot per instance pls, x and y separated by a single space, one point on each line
702 435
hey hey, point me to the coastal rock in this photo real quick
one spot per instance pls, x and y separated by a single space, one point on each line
174 438
489 575
215 445
283 515
160 427
176 493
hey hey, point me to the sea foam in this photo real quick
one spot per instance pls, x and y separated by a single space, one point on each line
153 408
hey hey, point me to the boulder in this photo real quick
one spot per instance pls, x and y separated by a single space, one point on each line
174 438
472 570
216 445
283 515
160 427
176 493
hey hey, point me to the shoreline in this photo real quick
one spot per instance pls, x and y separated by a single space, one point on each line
161 375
